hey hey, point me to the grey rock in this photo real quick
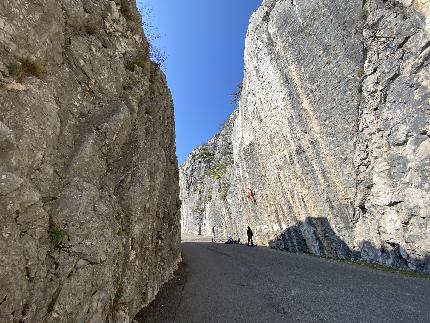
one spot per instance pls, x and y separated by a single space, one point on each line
331 134
205 181
89 196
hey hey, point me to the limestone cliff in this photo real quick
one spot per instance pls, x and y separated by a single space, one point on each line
331 134
89 201
205 181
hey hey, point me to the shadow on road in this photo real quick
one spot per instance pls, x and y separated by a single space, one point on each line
236 283
163 309
316 236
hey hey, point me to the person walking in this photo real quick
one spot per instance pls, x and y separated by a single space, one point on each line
250 236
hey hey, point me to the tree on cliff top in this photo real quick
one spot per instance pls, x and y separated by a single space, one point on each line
157 55
235 96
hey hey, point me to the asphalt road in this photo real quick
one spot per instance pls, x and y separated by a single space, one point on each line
232 283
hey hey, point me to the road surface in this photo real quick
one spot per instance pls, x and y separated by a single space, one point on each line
233 283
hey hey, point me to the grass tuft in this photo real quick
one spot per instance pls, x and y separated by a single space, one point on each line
26 67
360 72
217 172
14 69
31 67
51 306
387 269
205 155
56 234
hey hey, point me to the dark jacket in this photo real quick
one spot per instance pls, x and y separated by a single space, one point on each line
249 232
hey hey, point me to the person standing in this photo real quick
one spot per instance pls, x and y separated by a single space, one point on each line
250 235
213 234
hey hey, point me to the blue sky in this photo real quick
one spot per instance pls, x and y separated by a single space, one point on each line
204 43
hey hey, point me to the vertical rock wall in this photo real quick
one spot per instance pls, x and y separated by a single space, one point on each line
392 158
205 181
89 200
331 133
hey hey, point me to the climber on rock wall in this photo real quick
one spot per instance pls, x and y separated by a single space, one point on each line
250 195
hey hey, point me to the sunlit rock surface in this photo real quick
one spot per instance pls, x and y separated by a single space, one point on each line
89 200
331 134
205 181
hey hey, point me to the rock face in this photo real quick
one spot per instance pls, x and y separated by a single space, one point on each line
89 198
205 181
331 135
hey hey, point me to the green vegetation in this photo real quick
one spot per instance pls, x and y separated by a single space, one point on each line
387 269
117 297
205 155
218 171
235 96
157 56
373 266
198 210
360 72
26 67
51 306
56 234
14 69
159 235
209 196
197 190
30 67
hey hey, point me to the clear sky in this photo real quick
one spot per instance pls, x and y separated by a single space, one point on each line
204 42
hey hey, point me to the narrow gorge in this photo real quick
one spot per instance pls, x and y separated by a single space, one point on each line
328 150
89 193
327 153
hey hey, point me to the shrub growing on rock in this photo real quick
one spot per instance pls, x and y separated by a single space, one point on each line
26 67
56 234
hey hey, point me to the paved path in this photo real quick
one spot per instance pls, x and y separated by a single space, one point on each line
232 283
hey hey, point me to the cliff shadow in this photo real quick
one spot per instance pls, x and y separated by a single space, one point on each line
316 236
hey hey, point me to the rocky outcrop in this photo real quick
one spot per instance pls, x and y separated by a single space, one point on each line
89 198
331 134
205 180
